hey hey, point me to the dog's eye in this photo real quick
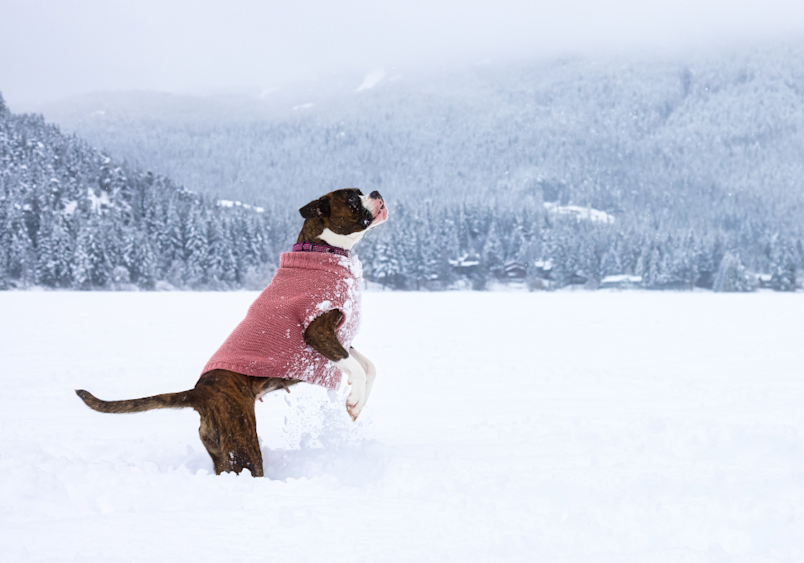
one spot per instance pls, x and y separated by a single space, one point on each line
352 198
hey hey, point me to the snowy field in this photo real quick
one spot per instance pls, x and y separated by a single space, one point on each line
594 427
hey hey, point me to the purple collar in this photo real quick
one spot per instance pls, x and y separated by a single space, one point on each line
325 248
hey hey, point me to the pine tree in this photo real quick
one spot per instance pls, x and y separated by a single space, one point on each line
197 249
222 271
4 278
386 264
146 263
44 252
82 261
172 238
129 252
642 266
731 276
589 261
92 265
54 252
21 256
610 264
653 275
783 265
684 264
492 257
704 266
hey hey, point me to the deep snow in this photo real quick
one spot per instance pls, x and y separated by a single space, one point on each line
575 426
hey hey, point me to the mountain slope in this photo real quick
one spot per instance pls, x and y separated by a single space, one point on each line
70 216
624 137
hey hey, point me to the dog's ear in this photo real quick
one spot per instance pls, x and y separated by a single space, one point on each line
317 208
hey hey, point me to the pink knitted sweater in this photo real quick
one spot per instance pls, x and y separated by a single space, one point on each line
269 342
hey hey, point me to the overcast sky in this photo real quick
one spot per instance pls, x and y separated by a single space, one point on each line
53 48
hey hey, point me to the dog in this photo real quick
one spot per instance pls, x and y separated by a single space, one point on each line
300 328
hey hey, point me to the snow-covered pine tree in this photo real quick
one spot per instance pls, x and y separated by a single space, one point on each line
222 271
197 250
492 257
590 261
443 249
4 281
783 265
55 252
82 261
386 264
610 264
731 275
129 251
21 255
684 264
146 262
172 242
704 266
653 275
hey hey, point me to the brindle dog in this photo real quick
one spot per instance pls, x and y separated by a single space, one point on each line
225 399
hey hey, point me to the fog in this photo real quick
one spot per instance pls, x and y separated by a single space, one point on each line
51 49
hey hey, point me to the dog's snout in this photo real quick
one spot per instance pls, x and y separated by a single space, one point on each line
375 195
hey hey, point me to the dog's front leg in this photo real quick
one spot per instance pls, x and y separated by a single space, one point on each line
320 334
356 378
368 367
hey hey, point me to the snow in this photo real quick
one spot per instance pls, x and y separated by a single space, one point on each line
464 262
70 206
230 203
565 426
307 105
265 92
580 213
621 278
371 80
622 281
98 202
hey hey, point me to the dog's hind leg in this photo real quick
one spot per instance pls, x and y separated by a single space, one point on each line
228 428
231 441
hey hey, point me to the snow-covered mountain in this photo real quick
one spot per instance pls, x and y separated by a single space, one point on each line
681 163
72 216
673 137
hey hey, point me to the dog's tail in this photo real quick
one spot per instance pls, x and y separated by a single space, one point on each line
181 400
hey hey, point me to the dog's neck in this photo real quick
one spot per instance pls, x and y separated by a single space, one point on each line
318 234
341 241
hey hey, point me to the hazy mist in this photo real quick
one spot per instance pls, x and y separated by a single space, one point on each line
54 48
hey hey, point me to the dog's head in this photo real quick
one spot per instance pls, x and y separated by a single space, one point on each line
342 217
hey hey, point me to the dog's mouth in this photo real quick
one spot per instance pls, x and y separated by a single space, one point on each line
377 208
381 215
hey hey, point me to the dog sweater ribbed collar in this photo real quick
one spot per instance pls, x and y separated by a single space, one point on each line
325 248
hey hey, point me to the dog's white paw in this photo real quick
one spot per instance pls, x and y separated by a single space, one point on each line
356 400
368 367
356 378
